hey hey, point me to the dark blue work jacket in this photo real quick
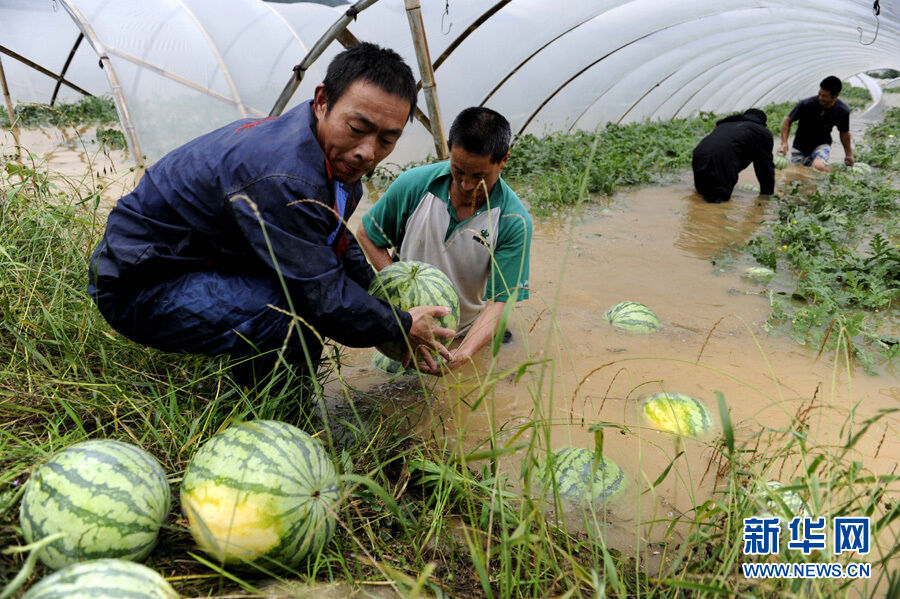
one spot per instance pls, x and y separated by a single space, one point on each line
194 211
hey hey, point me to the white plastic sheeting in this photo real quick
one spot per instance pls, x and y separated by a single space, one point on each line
187 66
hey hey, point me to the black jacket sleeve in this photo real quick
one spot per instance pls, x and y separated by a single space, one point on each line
288 231
763 162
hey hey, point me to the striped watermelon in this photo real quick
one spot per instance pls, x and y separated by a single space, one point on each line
410 284
108 497
260 491
580 481
772 494
103 579
760 274
632 316
781 161
677 413
861 168
385 364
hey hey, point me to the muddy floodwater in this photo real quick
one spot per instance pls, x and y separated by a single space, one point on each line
654 245
74 154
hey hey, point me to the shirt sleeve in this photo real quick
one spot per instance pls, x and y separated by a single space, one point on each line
795 113
511 259
843 121
385 221
291 237
763 162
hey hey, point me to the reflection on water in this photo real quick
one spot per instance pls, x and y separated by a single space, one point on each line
708 228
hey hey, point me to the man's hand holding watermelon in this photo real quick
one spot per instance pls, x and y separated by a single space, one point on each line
422 337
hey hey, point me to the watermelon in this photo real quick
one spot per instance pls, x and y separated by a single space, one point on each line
410 284
385 364
103 579
794 504
759 273
749 187
861 168
261 491
108 497
632 316
677 413
579 480
781 161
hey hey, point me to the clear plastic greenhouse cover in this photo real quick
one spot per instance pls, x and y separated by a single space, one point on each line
187 66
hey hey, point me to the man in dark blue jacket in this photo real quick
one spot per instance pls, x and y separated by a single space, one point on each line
736 142
227 236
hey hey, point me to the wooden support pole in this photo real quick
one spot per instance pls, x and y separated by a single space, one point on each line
333 33
417 29
11 111
42 70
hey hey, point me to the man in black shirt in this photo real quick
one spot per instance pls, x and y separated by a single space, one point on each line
736 141
816 116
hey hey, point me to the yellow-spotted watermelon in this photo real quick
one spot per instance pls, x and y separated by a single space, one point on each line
261 491
677 413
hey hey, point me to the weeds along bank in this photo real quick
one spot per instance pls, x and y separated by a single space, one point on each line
423 519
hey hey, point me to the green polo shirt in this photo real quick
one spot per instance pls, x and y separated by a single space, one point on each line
486 256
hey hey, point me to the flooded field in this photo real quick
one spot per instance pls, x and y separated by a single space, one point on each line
654 245
76 155
567 374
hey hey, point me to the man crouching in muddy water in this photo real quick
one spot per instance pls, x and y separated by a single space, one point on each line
735 143
227 235
462 217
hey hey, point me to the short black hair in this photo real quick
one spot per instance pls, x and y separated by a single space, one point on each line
832 85
481 131
757 113
379 66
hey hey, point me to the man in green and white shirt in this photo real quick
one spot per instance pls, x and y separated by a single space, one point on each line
463 218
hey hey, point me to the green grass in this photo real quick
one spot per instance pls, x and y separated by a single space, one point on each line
882 143
112 138
89 110
423 515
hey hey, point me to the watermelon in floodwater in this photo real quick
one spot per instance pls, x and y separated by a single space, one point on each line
103 579
781 161
780 501
581 479
632 316
262 491
108 497
677 413
385 364
759 273
861 168
409 284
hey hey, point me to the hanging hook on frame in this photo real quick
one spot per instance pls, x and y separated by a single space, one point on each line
444 16
876 10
